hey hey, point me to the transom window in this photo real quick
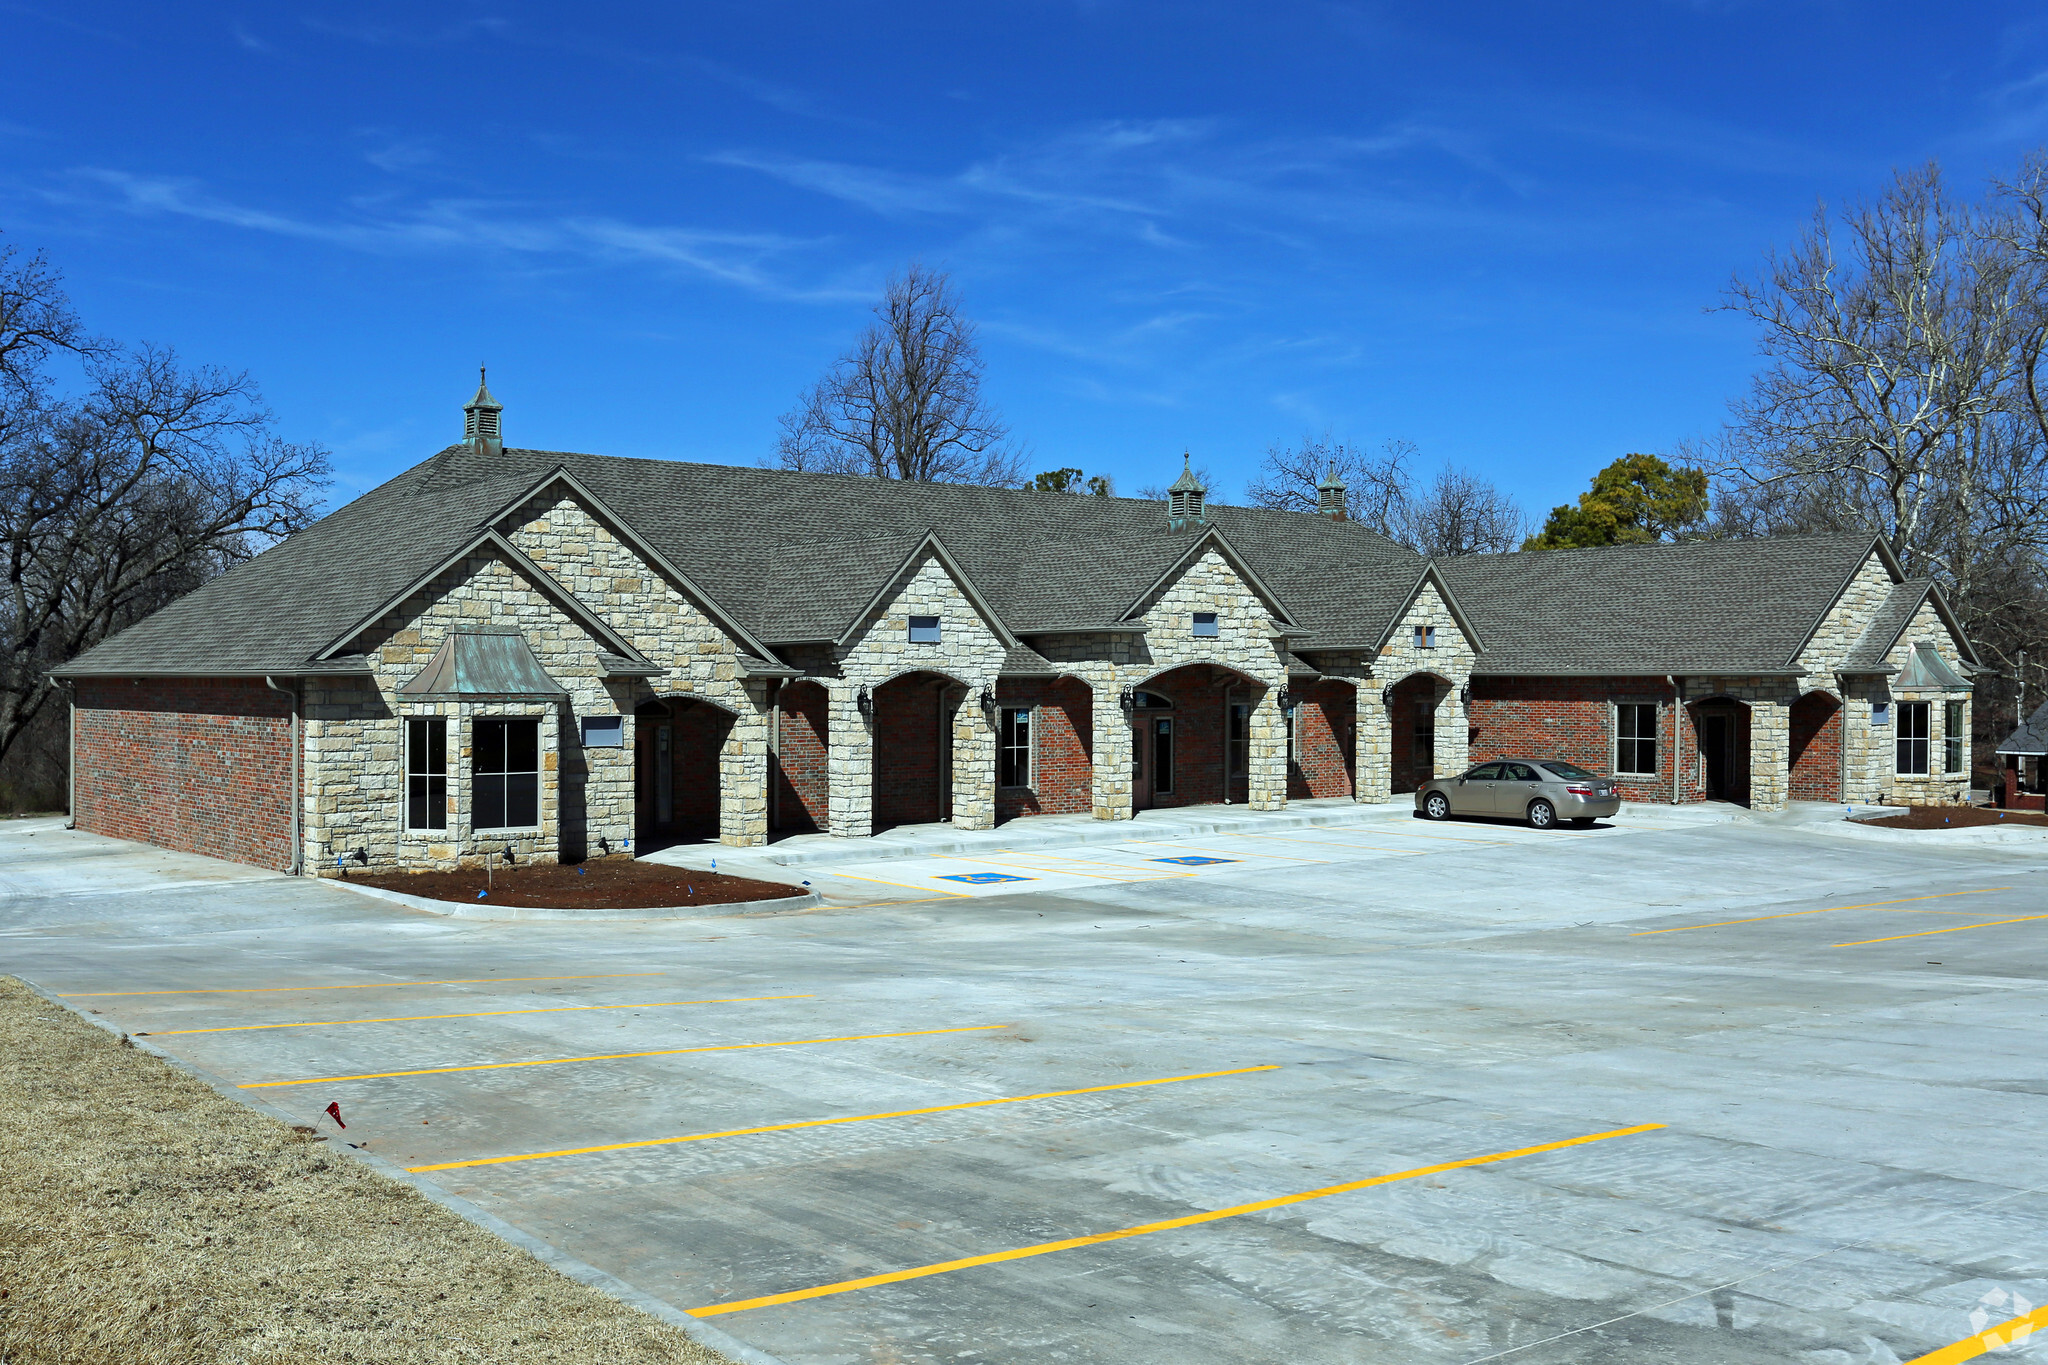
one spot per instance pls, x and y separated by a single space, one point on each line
924 630
1205 623
426 772
1635 737
1952 735
1013 747
504 774
1913 736
1425 637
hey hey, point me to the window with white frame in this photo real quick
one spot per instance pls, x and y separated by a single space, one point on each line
1425 637
426 772
1954 760
924 630
1635 737
1205 624
1013 747
504 773
1912 736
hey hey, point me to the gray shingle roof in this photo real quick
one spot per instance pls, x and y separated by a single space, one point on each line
2031 737
1887 624
1717 606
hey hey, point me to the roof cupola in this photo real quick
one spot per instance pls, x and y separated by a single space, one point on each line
1184 499
480 419
1330 495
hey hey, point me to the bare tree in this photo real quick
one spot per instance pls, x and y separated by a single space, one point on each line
1461 514
1376 486
905 402
153 478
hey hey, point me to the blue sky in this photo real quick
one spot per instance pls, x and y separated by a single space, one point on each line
1490 229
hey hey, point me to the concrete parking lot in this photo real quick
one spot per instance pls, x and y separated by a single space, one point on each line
1682 1088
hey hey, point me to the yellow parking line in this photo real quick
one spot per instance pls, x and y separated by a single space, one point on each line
2008 1333
480 1014
1062 872
851 1118
355 986
1825 910
1191 1220
1952 929
613 1056
949 895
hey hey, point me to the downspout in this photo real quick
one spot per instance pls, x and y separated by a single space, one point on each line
298 799
71 760
1677 705
1842 738
774 753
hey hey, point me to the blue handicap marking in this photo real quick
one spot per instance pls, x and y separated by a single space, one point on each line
982 878
1194 862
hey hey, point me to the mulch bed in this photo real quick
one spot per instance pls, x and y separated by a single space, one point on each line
1956 817
600 884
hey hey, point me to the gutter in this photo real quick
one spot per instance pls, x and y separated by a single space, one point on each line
71 759
298 799
1677 707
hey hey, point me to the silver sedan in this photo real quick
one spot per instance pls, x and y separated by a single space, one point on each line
1541 791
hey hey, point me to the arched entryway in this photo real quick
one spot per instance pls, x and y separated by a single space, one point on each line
800 768
1322 739
677 742
1720 727
1414 708
1815 746
913 748
1191 737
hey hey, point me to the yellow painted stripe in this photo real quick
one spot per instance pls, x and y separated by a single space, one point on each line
614 1056
1929 933
1191 1220
356 986
480 1014
1142 874
1990 1339
1824 910
855 876
850 1118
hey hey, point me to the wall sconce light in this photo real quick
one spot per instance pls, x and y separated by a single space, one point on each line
988 704
1465 697
1128 699
864 702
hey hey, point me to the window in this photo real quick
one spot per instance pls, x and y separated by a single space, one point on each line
1912 736
1570 772
604 732
1635 737
1205 624
504 774
1425 637
1238 739
924 630
1013 747
1162 753
1423 739
1952 734
426 772
1518 772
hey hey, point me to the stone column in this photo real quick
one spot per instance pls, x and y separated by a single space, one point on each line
974 765
1375 751
1770 754
850 761
1266 753
743 775
1112 751
1453 726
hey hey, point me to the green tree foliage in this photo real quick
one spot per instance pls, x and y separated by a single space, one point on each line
1635 500
1069 480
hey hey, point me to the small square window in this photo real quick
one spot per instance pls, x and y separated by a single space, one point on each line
1205 623
604 732
924 630
1425 637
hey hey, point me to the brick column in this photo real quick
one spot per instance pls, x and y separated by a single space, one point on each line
1112 754
974 765
743 775
1770 754
1266 756
850 762
1375 753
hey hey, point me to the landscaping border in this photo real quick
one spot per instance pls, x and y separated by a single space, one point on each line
485 910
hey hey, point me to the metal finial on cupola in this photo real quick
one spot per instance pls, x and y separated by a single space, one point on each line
1184 499
1330 495
480 430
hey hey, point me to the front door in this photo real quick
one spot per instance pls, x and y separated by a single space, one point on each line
1714 749
1151 760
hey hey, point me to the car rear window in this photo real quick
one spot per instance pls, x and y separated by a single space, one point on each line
1570 771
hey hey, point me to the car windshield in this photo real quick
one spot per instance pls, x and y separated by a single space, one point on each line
1571 772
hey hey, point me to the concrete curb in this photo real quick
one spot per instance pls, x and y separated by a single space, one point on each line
2025 839
546 1253
485 910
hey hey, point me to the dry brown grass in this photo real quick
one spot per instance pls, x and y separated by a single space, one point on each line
146 1220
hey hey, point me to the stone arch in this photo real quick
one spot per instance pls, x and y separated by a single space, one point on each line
911 717
1201 751
1322 753
1721 727
1814 746
800 771
1417 704
679 738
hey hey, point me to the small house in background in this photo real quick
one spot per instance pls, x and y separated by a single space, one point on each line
2023 785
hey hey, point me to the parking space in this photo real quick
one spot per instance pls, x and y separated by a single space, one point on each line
1373 1091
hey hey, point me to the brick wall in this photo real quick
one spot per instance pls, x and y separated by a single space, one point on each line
907 771
801 769
1409 765
1816 748
197 764
1197 693
1568 718
1063 774
1323 729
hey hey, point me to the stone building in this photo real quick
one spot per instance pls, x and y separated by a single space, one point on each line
575 655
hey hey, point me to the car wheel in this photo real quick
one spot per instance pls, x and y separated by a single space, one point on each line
1542 815
1583 822
1436 806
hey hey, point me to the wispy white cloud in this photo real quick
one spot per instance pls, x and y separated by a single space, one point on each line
248 41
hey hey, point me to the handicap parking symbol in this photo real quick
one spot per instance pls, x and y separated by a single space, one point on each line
982 878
